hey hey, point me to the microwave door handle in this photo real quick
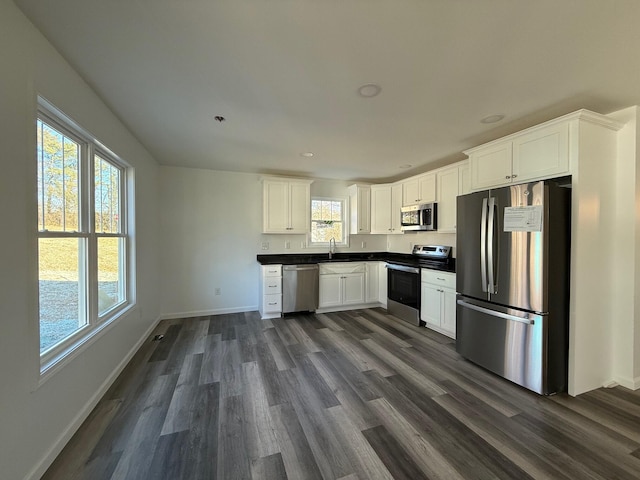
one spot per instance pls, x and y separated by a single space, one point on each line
483 245
491 244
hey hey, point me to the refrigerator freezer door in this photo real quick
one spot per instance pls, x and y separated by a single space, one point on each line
505 341
471 273
517 257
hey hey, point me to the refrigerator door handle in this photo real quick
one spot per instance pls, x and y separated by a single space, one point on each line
483 246
494 313
490 244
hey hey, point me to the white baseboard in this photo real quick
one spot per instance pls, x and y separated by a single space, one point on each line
202 313
630 383
46 461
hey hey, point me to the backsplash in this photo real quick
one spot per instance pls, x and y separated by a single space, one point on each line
284 244
405 242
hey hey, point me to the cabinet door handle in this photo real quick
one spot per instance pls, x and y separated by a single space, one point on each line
508 177
273 286
273 303
440 278
514 176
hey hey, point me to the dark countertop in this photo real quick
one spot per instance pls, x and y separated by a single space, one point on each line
399 258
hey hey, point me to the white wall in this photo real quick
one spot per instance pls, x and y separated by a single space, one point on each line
37 420
626 257
209 240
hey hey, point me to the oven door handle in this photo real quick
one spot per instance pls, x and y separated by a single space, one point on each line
403 268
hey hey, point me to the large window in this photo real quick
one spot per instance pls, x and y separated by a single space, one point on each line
328 221
82 235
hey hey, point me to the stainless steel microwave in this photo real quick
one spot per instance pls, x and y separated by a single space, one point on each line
419 217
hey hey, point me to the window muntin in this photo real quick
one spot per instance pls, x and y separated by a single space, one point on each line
328 221
82 237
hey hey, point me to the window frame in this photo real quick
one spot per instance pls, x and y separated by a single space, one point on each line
344 241
54 356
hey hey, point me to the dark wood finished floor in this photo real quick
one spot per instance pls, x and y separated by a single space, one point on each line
350 395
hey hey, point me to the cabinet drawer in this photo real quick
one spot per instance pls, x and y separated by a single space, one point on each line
273 303
272 285
435 277
272 270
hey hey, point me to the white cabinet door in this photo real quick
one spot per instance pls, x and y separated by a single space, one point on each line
491 167
330 288
427 185
410 192
299 207
372 282
353 288
430 301
275 206
543 153
381 209
360 206
383 283
448 183
448 316
396 205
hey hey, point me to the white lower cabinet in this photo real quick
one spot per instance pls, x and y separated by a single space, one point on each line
345 284
270 301
438 301
337 289
372 282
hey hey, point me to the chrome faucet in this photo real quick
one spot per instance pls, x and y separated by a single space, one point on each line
332 250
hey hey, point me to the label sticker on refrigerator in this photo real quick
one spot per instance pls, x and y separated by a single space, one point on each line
523 219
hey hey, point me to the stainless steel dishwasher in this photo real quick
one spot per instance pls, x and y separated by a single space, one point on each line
299 288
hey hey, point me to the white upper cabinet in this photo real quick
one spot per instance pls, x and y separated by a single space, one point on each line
386 201
533 154
360 206
286 205
491 167
451 182
541 153
419 189
448 188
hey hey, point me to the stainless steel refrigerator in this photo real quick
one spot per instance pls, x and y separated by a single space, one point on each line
512 282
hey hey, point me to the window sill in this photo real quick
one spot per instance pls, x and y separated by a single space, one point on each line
60 359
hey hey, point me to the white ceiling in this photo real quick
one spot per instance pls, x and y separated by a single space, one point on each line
285 74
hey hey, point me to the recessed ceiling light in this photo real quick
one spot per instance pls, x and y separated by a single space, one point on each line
369 90
492 119
405 166
307 154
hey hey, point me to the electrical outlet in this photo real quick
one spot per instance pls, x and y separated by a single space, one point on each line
303 244
217 291
265 245
287 244
364 244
